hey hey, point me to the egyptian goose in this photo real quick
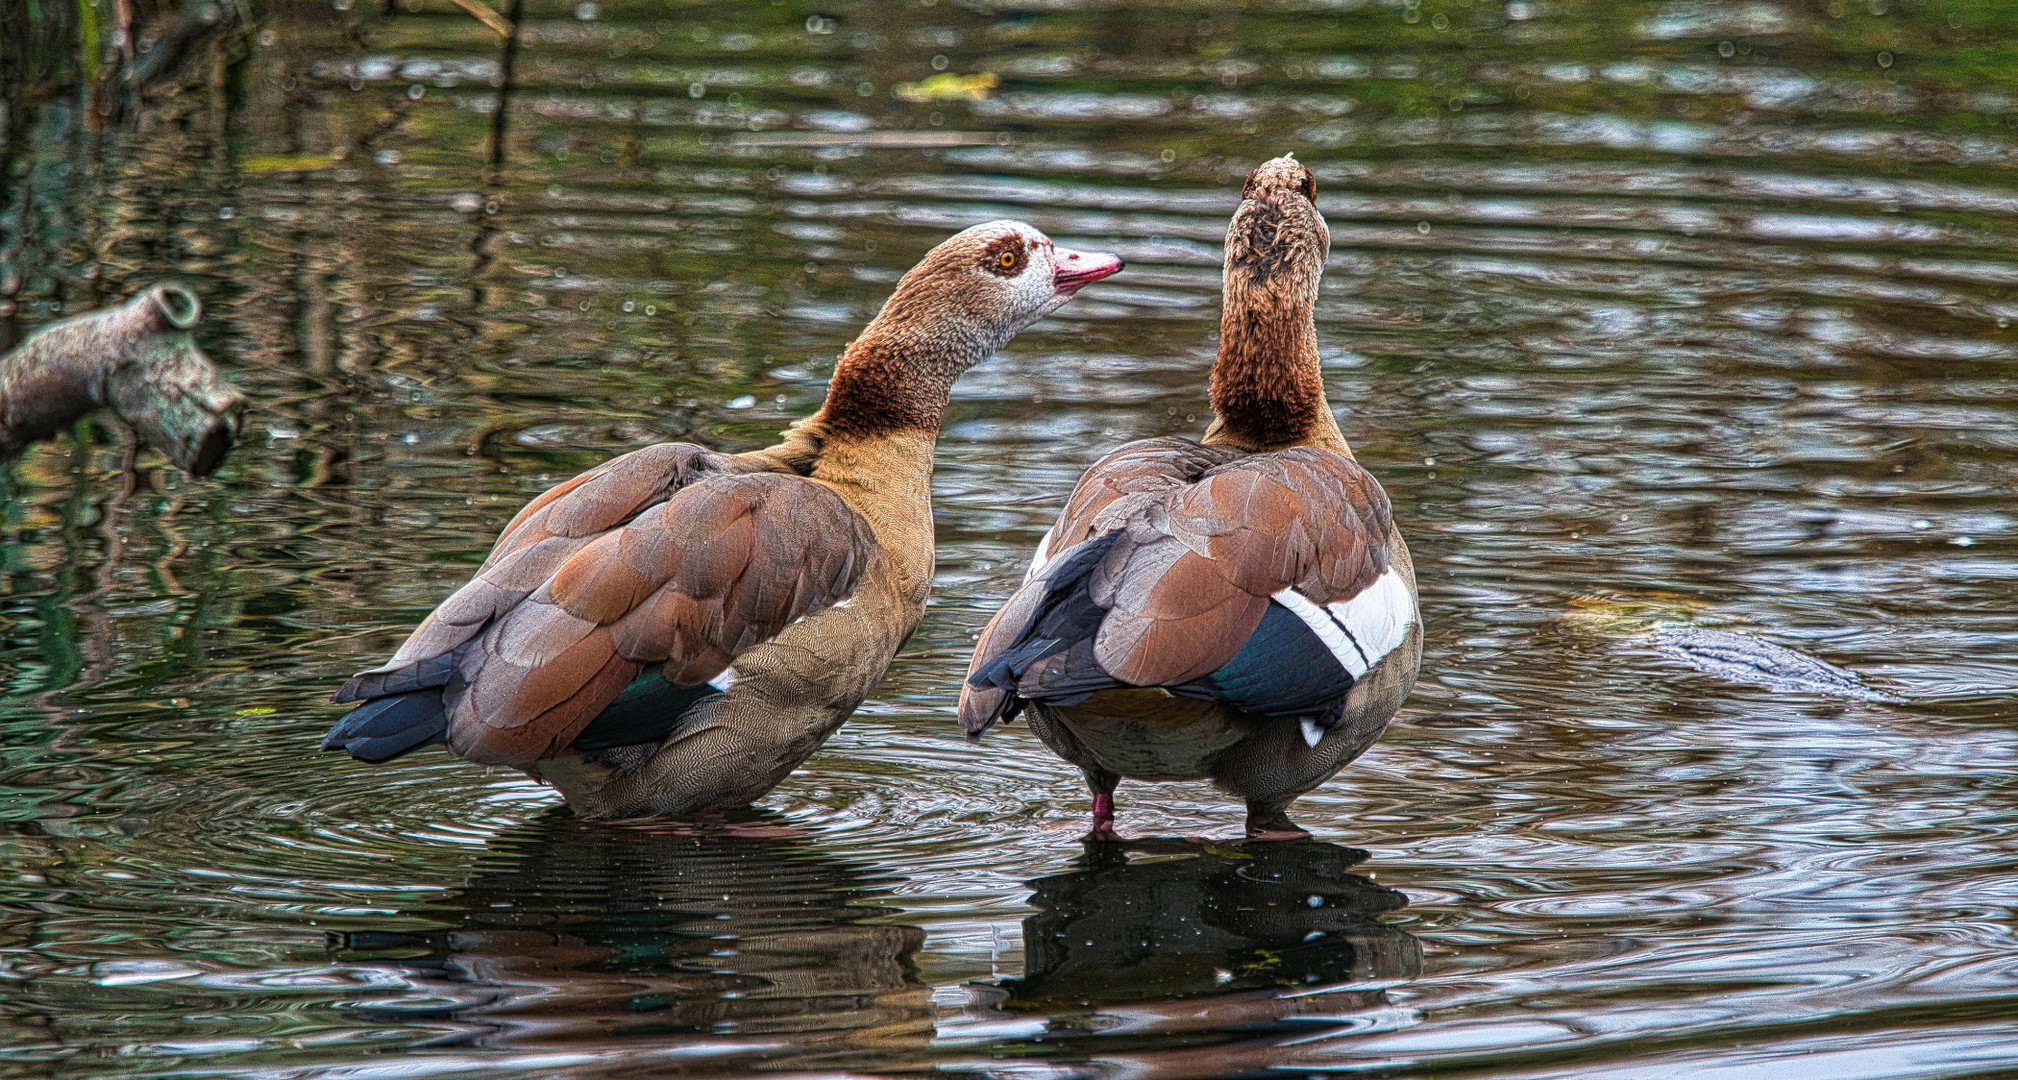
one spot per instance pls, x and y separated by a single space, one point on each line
1240 608
677 629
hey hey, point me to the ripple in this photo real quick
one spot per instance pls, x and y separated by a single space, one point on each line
1639 334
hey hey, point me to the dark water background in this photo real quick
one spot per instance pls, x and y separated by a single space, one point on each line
1647 314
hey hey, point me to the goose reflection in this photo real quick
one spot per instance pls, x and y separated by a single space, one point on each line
1172 919
736 940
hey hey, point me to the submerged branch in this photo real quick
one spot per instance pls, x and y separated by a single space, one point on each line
195 23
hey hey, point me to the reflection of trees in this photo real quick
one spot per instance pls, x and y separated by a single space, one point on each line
656 933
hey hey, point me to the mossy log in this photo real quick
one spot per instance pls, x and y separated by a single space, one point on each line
137 360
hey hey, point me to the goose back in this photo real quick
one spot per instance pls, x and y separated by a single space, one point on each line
672 557
1264 581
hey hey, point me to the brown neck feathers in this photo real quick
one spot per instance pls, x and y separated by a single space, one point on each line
898 375
1267 388
879 389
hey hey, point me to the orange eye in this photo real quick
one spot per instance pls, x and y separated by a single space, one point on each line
1008 260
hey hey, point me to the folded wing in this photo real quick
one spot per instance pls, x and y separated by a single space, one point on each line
1206 572
671 556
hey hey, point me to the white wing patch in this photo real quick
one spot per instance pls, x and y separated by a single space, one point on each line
1042 556
1363 629
1312 734
725 680
1379 617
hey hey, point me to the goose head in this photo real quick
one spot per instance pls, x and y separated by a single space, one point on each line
966 298
1277 240
986 283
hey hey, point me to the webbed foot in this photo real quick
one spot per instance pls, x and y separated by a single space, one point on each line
1272 823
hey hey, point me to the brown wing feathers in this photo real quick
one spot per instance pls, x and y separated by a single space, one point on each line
560 522
1172 616
720 567
1305 517
1202 537
671 555
1132 475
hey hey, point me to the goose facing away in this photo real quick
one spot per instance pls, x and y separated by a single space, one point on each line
677 629
1241 608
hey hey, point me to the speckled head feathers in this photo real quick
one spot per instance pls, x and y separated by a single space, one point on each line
992 280
1277 240
1281 174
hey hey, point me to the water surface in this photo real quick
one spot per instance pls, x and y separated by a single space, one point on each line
1686 316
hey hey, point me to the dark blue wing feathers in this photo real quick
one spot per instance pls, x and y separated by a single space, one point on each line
648 710
396 723
431 672
1284 669
1058 637
384 728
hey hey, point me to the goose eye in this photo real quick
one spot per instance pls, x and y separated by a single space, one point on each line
1008 260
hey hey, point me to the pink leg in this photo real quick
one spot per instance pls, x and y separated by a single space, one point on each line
1103 817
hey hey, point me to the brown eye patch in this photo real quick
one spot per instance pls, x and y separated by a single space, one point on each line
1003 256
1309 187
